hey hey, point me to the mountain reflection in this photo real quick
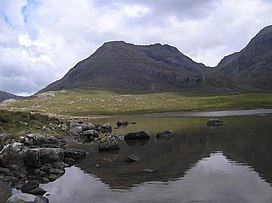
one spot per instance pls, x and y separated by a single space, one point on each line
242 140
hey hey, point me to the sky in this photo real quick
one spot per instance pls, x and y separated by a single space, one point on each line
40 40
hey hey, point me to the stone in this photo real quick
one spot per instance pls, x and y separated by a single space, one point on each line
132 158
26 198
30 185
215 122
46 167
58 165
4 171
165 134
12 154
17 171
122 123
88 135
74 154
56 171
106 128
69 161
108 143
38 191
39 156
140 134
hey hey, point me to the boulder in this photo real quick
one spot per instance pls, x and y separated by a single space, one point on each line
12 154
215 122
108 142
39 156
88 135
106 128
74 154
140 134
91 126
122 123
75 130
26 198
165 134
30 185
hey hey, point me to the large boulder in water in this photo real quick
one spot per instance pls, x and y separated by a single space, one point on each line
140 134
39 156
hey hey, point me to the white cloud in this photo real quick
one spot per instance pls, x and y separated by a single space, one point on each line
41 40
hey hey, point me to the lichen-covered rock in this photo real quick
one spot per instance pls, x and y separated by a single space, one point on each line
108 142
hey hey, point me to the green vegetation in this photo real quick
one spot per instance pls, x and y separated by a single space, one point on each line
86 103
15 122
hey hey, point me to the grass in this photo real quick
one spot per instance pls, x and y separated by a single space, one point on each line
86 103
15 122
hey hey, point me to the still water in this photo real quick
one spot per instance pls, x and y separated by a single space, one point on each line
231 163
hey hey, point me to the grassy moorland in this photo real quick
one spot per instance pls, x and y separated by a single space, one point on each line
86 103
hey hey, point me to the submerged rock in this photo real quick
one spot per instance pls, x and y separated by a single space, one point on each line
140 134
132 158
215 122
165 134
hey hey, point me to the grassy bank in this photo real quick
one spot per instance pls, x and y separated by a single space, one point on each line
25 123
84 103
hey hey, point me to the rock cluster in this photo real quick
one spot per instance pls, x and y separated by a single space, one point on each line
35 159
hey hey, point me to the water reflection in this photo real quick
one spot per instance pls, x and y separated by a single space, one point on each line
212 179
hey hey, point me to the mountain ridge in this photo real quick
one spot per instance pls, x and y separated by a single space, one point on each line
6 95
125 67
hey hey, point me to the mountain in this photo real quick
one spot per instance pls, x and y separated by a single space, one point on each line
122 67
5 95
252 66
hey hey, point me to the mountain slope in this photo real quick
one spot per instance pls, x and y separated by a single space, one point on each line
5 95
123 67
252 66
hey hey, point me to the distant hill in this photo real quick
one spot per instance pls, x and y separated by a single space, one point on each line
5 95
124 67
252 66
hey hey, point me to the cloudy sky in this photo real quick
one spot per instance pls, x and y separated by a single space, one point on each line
40 40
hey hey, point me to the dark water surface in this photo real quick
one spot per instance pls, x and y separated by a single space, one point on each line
231 163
